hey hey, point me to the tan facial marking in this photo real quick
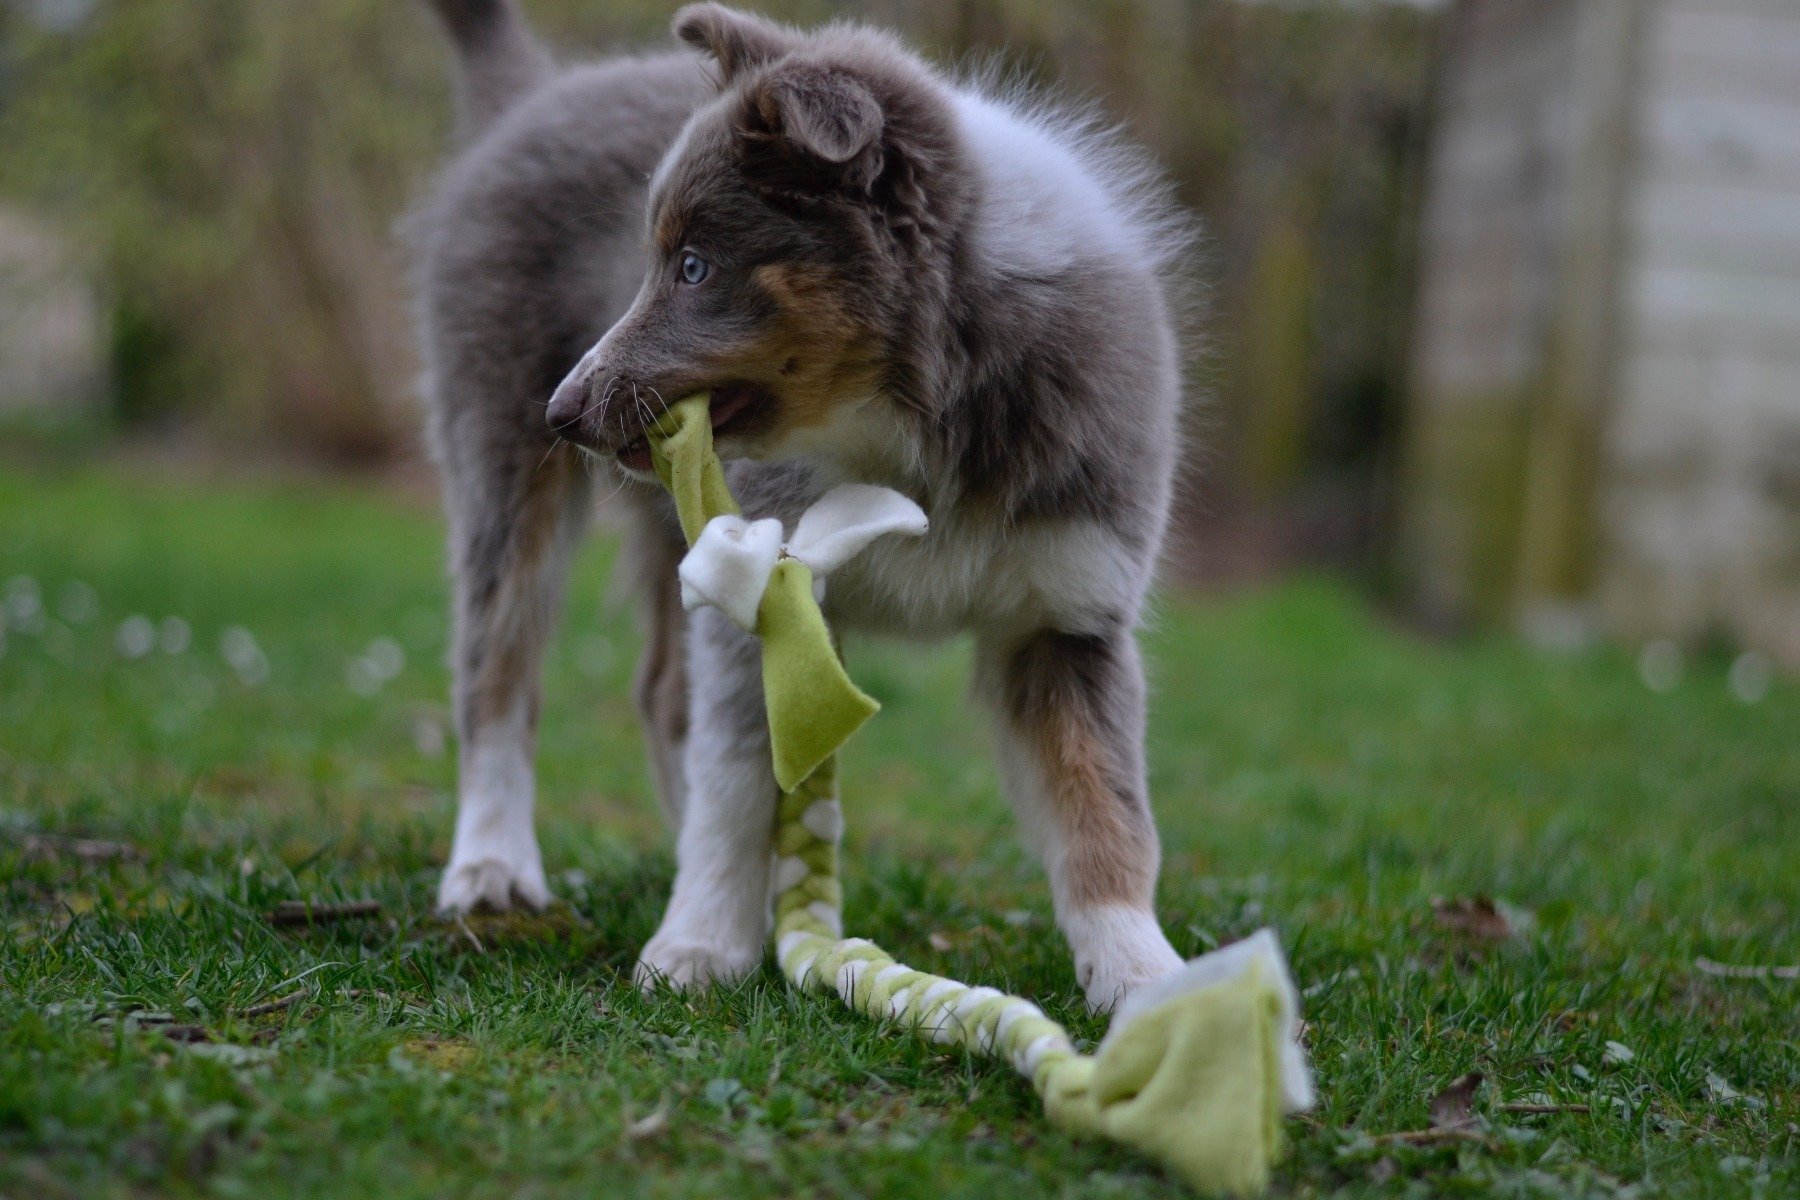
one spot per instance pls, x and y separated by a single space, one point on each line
668 229
825 353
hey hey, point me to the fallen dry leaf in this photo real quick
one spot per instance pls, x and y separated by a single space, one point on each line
443 1054
1478 917
304 912
1432 1137
1454 1107
650 1126
185 1033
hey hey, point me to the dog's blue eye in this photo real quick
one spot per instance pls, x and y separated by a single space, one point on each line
694 268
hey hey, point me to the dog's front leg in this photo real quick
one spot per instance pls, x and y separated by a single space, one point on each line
1070 715
718 916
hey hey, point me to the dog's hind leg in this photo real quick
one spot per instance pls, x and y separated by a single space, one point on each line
515 516
660 687
1070 717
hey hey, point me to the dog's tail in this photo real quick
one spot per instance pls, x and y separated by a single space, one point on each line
500 59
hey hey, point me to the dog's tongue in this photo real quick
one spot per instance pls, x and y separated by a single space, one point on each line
636 455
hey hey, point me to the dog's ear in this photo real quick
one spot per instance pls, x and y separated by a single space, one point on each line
737 41
823 116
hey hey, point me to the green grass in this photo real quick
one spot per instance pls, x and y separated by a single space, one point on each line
1313 768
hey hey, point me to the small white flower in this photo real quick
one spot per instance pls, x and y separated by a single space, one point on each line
428 735
594 656
174 635
237 646
1752 677
79 603
135 637
362 678
385 658
24 606
1659 666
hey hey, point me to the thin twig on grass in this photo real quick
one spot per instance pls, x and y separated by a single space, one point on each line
1735 971
359 993
272 1006
1432 1137
140 1016
305 912
1521 1107
52 845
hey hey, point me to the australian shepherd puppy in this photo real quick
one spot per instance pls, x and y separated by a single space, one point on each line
884 275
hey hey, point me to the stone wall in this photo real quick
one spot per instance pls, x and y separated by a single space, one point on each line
51 330
1605 417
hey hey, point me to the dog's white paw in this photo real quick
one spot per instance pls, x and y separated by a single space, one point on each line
688 965
495 878
1117 950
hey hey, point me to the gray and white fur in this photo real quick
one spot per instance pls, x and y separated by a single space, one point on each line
886 275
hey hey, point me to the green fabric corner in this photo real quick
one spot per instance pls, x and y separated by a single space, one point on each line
1195 1083
813 706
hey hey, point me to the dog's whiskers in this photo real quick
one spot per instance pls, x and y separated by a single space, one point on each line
552 450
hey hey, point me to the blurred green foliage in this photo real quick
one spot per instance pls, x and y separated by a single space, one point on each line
235 170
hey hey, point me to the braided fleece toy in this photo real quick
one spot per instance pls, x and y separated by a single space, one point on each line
1197 1069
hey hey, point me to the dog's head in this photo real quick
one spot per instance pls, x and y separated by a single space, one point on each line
791 228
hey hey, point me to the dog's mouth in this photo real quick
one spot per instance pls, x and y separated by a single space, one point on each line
735 408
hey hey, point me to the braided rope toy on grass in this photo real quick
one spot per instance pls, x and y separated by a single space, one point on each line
1197 1069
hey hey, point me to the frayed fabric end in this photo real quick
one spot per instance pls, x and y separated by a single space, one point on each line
1260 952
1197 1070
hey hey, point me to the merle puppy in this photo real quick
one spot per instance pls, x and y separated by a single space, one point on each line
884 275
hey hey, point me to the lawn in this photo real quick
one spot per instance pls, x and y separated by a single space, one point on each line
214 698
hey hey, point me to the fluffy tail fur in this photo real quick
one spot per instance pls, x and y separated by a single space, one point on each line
500 58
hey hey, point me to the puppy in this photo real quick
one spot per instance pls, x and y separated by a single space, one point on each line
884 275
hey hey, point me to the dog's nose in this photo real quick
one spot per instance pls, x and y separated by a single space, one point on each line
570 400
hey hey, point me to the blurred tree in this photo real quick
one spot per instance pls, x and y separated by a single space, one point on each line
235 169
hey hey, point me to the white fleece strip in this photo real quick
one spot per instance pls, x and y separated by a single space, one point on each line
1012 1014
1033 1054
789 872
824 819
965 1007
850 976
937 1019
829 915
